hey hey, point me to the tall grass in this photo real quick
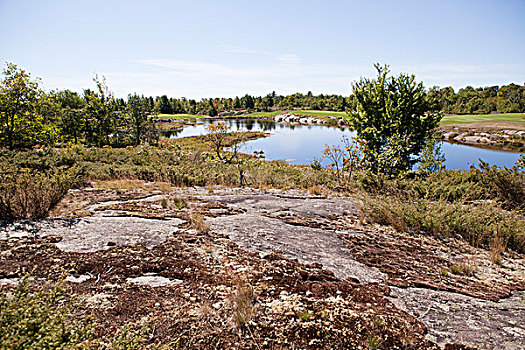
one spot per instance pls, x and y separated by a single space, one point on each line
480 224
484 206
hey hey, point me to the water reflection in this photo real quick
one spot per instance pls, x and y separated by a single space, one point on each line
301 144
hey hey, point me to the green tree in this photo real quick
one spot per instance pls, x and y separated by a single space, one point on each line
163 105
432 158
21 121
72 122
393 118
137 113
237 103
100 113
247 102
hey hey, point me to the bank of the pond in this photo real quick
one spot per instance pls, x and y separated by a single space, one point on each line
300 142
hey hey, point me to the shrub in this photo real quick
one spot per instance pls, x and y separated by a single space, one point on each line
28 194
243 304
197 222
508 185
40 319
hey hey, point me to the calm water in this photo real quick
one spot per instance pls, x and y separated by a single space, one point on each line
301 144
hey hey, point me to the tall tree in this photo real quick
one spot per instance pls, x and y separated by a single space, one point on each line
137 112
21 123
163 105
100 113
72 122
393 118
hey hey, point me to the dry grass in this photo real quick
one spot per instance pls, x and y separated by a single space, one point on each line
498 245
482 224
197 222
30 194
463 268
318 190
243 304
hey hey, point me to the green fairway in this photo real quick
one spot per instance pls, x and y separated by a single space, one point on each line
447 119
473 118
300 112
181 116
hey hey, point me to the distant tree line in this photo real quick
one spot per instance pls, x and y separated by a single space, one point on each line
505 99
30 116
272 101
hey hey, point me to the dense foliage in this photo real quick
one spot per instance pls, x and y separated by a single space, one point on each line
34 317
505 99
393 118
29 116
469 100
247 103
485 206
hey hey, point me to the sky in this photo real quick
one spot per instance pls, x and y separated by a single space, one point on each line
227 48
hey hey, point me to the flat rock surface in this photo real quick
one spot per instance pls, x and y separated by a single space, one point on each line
262 234
90 234
481 323
304 254
273 221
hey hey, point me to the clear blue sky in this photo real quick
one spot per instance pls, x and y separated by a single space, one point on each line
222 48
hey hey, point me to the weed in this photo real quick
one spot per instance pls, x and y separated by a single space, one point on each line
28 194
206 309
443 271
37 318
373 342
164 203
243 304
197 222
477 223
305 316
316 190
316 164
179 202
40 317
462 268
377 322
497 247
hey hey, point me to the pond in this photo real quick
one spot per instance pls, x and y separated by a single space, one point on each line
301 144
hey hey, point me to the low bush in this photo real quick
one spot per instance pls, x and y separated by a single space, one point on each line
40 317
506 186
30 194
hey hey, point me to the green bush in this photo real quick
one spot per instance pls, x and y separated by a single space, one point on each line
40 319
507 186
